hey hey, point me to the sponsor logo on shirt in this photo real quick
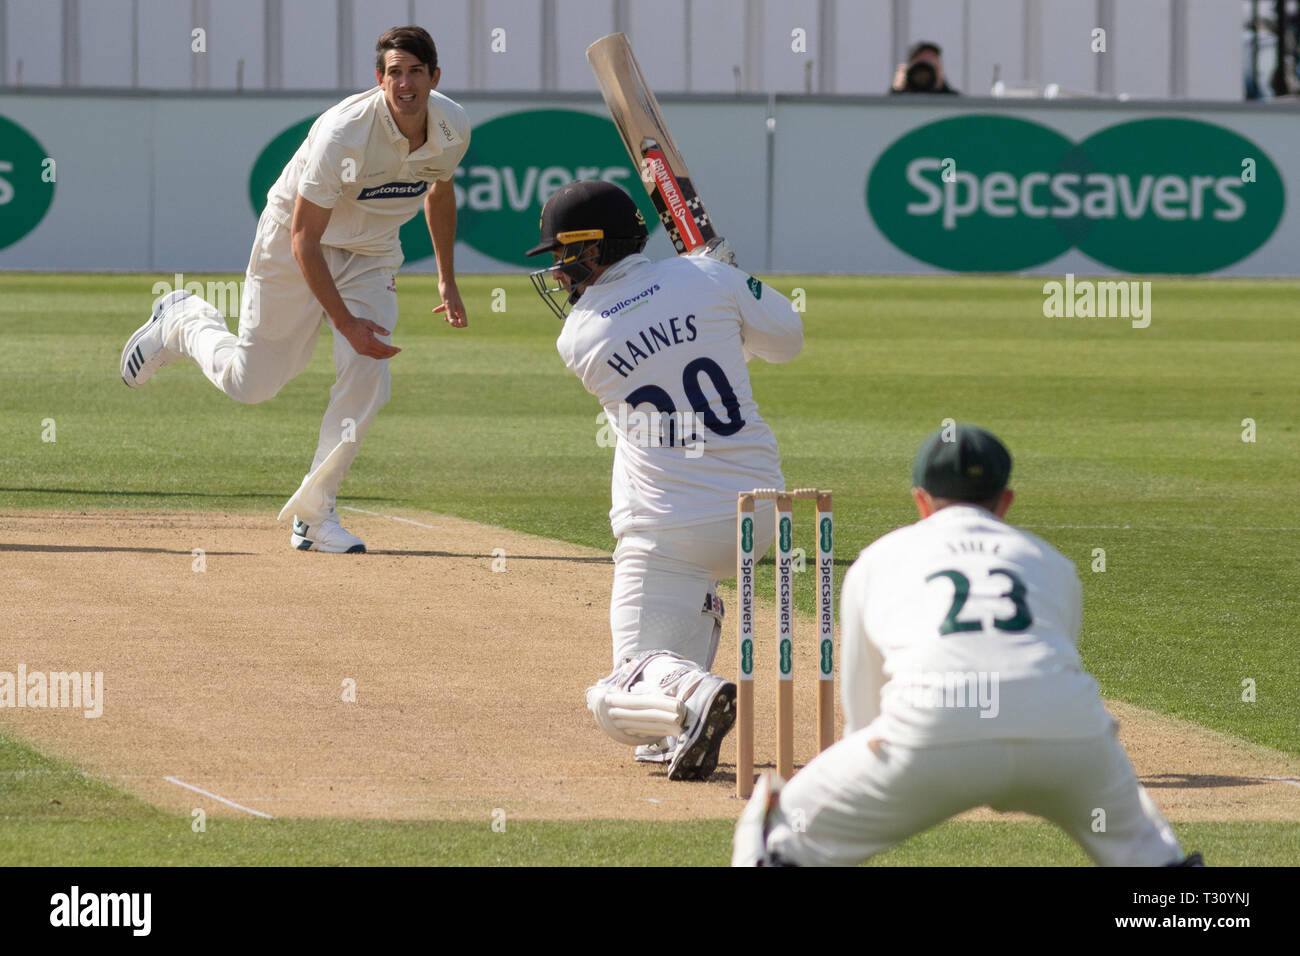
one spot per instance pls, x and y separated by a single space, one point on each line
446 130
394 191
639 297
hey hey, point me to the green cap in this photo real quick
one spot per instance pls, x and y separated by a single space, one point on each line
971 465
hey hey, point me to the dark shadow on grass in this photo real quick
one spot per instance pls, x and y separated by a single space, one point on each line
100 492
1201 780
91 549
490 557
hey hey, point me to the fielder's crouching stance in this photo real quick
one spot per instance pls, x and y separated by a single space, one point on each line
962 688
327 241
663 346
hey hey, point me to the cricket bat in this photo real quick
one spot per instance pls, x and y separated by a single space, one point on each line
635 112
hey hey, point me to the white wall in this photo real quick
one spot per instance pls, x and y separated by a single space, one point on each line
1066 38
105 43
661 27
1213 66
234 33
577 23
863 55
165 43
310 59
1140 46
520 66
34 36
717 44
975 35
783 71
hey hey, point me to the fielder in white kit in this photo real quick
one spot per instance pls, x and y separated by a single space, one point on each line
328 242
663 346
962 687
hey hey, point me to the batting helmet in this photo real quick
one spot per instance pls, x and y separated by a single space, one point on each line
578 216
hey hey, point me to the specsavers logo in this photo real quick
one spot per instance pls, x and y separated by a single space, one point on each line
996 193
27 176
516 161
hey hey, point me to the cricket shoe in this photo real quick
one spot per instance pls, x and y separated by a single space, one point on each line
325 535
710 712
145 353
661 751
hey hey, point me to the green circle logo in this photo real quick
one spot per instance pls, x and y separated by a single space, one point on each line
954 193
1177 195
272 160
995 193
26 182
516 161
513 164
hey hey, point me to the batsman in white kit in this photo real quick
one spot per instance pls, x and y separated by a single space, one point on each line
664 346
327 242
962 687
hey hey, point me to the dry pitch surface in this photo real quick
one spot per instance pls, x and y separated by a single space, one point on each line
468 682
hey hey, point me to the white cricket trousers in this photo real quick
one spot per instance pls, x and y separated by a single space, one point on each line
278 322
864 795
661 578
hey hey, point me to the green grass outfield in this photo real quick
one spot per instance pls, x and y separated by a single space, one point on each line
1127 440
53 815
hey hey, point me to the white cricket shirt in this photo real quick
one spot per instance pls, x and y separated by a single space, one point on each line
356 162
962 627
663 346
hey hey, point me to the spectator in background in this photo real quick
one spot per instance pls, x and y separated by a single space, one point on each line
923 71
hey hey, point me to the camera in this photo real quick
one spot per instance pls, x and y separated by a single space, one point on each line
922 78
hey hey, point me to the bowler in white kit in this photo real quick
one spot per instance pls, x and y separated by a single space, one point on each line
962 687
664 346
327 242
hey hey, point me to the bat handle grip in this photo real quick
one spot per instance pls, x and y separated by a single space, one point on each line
715 249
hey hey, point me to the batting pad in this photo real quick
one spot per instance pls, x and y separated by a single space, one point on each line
635 719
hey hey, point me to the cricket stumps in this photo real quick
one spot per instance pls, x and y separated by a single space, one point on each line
746 565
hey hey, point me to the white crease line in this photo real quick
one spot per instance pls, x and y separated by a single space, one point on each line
1294 783
389 517
232 803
